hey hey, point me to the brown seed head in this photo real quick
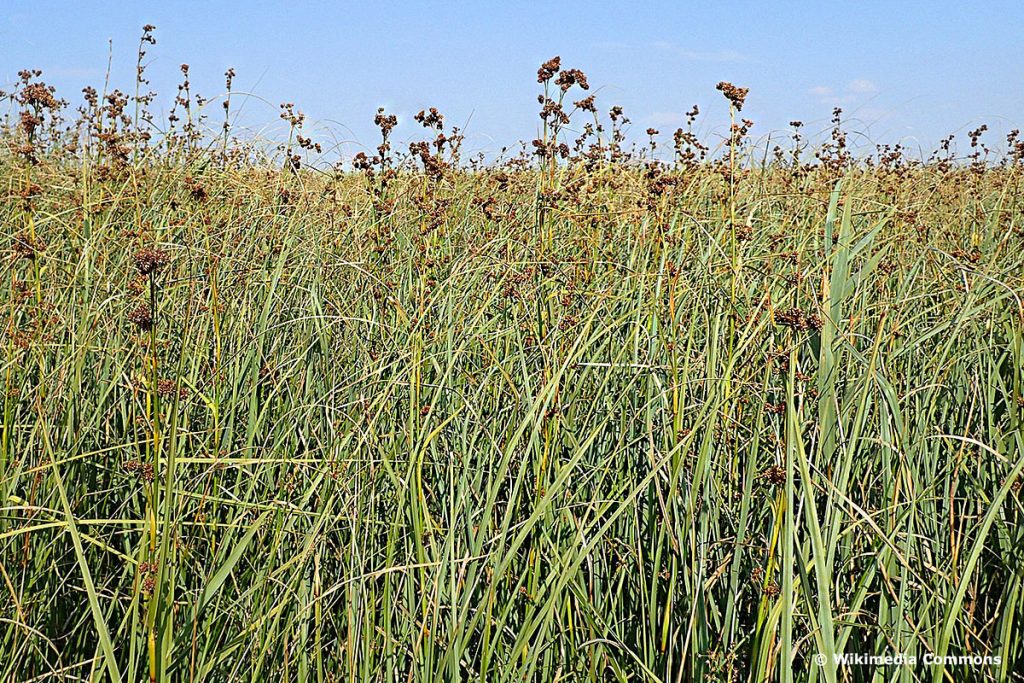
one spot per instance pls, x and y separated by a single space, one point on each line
797 320
735 94
774 475
549 69
141 316
27 248
150 260
571 77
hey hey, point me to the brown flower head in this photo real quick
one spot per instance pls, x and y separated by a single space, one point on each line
586 104
143 470
141 316
774 475
571 77
27 248
430 119
549 69
797 320
735 94
168 388
38 95
150 260
386 122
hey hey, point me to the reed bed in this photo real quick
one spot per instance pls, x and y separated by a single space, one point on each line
571 415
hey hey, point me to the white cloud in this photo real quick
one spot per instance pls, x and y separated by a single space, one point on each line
862 86
697 55
839 100
672 50
851 94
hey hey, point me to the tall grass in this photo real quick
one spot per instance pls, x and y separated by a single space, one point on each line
411 433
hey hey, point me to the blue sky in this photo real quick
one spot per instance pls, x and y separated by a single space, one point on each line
903 71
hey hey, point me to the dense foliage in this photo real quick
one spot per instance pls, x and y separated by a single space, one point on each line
581 417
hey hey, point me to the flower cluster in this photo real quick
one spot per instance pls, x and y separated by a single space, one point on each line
735 94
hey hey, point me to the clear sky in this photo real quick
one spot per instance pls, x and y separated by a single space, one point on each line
903 71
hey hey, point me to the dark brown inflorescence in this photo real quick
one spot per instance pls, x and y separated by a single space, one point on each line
150 260
548 69
142 470
25 247
735 94
141 316
774 475
431 118
571 77
168 388
798 320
